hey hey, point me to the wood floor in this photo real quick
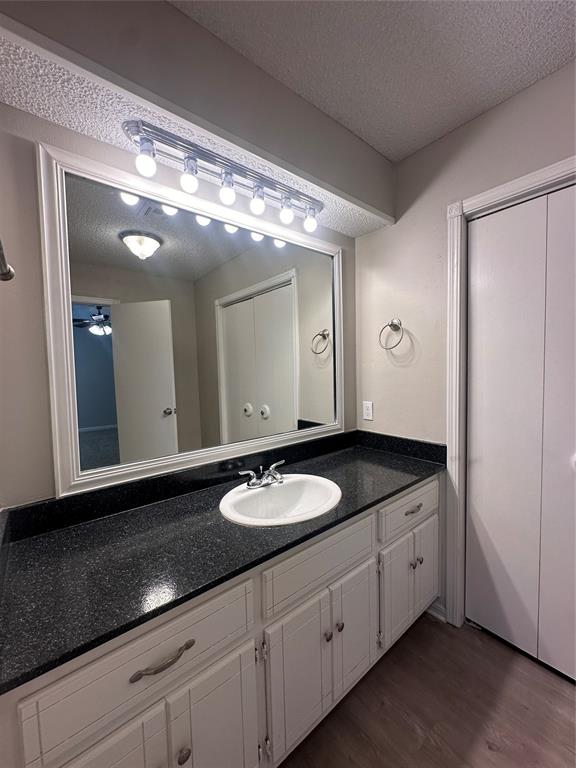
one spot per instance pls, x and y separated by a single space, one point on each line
448 698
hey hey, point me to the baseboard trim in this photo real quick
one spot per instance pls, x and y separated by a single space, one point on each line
438 611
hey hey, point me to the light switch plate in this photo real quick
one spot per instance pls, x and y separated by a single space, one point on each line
367 410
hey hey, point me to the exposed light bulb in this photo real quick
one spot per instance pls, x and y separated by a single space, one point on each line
230 228
145 162
169 210
256 236
141 244
203 220
129 198
189 178
286 212
310 222
227 191
258 204
279 243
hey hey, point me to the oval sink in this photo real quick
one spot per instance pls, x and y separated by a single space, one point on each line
298 498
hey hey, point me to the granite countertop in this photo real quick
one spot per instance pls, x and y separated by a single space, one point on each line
69 590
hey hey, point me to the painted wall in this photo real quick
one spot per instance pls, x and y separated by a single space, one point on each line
221 90
401 270
26 465
314 286
131 285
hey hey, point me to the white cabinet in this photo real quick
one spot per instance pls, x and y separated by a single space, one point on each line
141 743
213 719
408 579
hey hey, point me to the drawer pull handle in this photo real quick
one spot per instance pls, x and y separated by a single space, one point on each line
184 755
340 626
420 560
414 510
328 636
413 565
163 664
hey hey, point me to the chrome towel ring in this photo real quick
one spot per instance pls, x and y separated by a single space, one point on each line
395 325
325 335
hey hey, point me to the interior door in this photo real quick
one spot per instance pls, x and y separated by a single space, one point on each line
557 620
299 671
144 379
426 557
397 588
276 360
507 262
354 623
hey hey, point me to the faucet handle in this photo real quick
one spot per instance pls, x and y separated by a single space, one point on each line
277 464
248 472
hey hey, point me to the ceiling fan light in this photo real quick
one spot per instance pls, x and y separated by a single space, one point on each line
97 330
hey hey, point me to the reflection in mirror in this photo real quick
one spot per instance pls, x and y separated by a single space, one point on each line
189 333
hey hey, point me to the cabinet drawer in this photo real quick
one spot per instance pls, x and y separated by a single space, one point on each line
298 575
88 700
399 516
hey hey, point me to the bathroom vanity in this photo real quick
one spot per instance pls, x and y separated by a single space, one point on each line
168 636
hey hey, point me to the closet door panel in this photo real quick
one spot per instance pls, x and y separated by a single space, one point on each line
556 640
506 361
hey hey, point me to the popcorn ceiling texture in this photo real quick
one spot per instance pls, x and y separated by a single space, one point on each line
48 89
397 74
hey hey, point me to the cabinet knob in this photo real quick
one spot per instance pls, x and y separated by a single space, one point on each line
420 559
340 626
184 755
328 635
413 565
167 412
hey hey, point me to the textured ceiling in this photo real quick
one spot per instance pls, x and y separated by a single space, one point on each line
397 73
96 215
37 83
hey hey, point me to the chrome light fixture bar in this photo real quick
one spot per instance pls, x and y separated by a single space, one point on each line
216 167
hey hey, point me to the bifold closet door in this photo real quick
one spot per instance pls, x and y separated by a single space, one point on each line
556 638
507 262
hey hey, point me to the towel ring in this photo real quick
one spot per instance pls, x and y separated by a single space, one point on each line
395 325
325 334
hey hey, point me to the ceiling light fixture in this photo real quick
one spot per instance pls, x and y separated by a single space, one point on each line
189 177
230 228
100 330
141 244
203 220
258 203
169 210
227 191
129 198
145 162
256 236
310 222
279 243
286 211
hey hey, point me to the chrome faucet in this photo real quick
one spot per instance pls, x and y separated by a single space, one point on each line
269 477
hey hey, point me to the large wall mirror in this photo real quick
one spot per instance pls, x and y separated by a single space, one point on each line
180 338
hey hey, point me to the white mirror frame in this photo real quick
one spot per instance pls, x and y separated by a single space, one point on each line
53 164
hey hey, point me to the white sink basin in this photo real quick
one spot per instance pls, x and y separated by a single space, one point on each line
298 498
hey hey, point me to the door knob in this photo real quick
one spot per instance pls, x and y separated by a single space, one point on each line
167 412
265 411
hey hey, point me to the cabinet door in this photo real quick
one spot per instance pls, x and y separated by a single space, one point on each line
298 673
213 721
141 743
397 588
354 624
426 556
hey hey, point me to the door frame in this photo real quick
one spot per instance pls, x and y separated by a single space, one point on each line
257 289
459 213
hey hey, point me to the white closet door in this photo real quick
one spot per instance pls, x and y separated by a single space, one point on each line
239 409
276 360
556 640
506 364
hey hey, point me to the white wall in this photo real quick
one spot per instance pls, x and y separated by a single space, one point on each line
155 51
401 270
26 467
314 286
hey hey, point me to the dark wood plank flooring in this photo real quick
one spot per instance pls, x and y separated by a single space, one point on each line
448 698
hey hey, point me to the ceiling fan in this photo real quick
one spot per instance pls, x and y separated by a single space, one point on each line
98 324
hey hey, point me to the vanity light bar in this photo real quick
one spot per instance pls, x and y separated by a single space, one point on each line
217 168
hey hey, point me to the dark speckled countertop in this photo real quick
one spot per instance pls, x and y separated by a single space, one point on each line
69 590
